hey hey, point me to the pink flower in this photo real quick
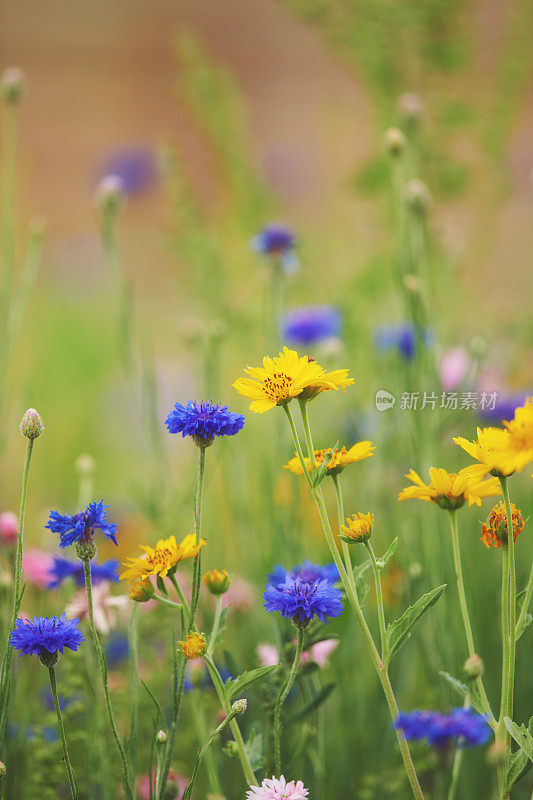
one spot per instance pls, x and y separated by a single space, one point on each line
278 789
322 650
8 527
36 567
106 608
453 368
240 595
143 784
268 655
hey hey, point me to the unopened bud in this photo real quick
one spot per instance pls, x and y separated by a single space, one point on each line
85 465
231 749
141 591
417 196
497 754
86 549
3 769
415 569
412 283
8 528
31 425
161 738
13 85
411 106
394 142
217 581
239 706
473 667
110 194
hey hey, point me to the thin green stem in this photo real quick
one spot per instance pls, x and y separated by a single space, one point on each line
506 709
464 607
340 514
134 686
234 725
216 625
203 751
379 598
526 602
8 652
70 772
282 696
198 712
165 601
126 782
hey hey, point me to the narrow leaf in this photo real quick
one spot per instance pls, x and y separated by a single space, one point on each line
389 554
464 691
399 630
522 737
312 704
235 687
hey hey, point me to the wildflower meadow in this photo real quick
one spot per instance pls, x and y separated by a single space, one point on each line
266 475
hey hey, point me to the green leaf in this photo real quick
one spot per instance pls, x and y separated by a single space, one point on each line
155 701
321 471
521 735
462 689
399 630
384 560
254 750
312 704
520 762
362 588
236 686
222 625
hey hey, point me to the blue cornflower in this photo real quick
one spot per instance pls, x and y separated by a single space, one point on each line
135 166
301 600
81 526
203 421
311 324
462 724
278 241
402 338
62 569
307 572
45 635
503 407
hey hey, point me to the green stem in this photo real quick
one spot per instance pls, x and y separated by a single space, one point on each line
70 772
126 782
340 514
527 600
202 752
349 587
17 596
198 713
216 625
464 607
134 686
509 589
282 696
236 731
166 601
379 598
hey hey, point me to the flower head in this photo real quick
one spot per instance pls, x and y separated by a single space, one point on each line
402 338
9 526
307 572
358 528
462 724
340 458
217 581
37 566
450 490
161 559
80 527
31 425
45 635
62 569
203 421
301 600
520 431
107 608
311 324
194 645
492 449
278 789
494 531
277 241
141 591
286 376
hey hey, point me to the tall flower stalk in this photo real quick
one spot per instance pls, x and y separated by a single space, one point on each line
73 783
282 696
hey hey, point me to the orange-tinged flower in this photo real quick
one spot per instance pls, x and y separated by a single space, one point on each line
358 528
340 458
493 450
450 490
288 375
494 531
194 645
161 559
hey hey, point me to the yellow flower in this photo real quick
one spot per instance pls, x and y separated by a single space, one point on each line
358 528
450 490
141 591
494 451
194 645
340 458
161 559
495 529
520 431
286 376
217 581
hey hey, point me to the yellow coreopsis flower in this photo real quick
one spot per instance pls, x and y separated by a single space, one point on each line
358 528
340 458
161 559
520 430
450 490
288 375
493 450
194 645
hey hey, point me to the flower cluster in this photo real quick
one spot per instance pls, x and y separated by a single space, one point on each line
494 531
62 569
462 725
162 559
312 324
339 459
300 600
450 490
203 421
80 527
50 634
278 789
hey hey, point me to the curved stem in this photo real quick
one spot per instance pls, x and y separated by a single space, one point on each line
8 653
379 597
202 752
216 625
103 674
236 731
282 696
70 772
165 601
464 607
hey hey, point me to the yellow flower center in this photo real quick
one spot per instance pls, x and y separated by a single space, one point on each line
277 386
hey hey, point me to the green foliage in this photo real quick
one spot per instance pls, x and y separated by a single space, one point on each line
400 630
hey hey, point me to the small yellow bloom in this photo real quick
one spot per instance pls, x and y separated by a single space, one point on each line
217 581
194 645
340 458
286 376
494 451
358 528
161 559
520 430
450 490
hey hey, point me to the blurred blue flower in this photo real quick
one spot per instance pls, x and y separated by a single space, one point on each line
117 649
45 633
80 527
301 600
402 338
136 167
462 724
311 324
277 241
307 572
206 681
503 407
62 569
203 421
